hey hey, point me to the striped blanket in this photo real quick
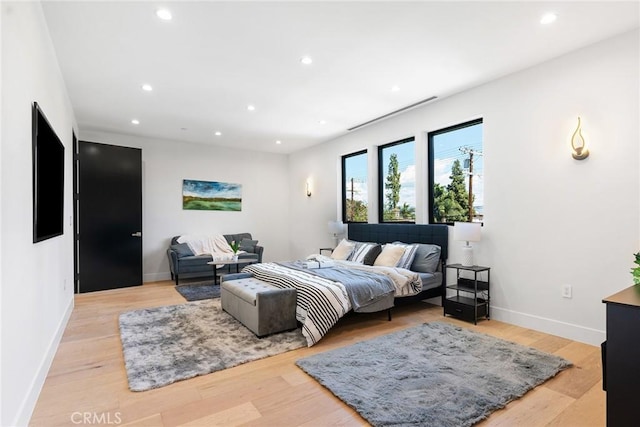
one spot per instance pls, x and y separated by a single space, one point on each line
321 302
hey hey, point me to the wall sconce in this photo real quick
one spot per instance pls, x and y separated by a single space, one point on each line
578 145
308 189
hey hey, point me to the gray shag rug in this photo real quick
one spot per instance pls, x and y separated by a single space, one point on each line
435 374
166 344
199 290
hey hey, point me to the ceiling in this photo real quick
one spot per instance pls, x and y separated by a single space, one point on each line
213 59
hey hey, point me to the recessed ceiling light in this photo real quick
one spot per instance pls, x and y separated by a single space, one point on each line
218 133
135 121
147 87
164 14
322 122
251 107
306 60
395 88
278 142
184 129
548 18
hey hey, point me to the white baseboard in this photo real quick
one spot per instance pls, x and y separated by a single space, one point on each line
538 323
549 326
29 403
156 277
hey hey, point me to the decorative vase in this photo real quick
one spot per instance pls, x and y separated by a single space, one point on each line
235 258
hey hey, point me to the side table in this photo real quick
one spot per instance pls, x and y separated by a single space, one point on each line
472 295
237 262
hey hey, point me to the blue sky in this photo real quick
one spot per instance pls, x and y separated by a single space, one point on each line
356 167
211 189
447 151
407 168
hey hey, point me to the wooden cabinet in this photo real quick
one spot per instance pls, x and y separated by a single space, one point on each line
621 358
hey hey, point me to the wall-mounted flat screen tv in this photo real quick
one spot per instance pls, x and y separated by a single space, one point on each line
48 179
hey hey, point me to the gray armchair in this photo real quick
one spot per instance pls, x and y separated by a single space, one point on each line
184 264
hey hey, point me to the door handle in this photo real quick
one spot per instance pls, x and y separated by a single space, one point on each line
137 234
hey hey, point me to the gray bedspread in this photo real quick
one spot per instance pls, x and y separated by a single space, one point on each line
364 288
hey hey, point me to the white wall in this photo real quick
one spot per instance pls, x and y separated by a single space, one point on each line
265 188
36 279
1 97
549 219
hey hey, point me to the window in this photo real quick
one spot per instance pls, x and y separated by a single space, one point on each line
456 184
397 181
354 187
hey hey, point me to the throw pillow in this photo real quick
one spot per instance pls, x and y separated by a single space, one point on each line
343 250
371 256
389 256
182 250
407 257
427 258
248 245
356 246
360 252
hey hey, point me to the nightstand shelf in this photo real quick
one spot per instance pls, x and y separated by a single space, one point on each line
467 285
472 296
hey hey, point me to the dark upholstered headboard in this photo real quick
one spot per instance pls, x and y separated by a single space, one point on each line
407 233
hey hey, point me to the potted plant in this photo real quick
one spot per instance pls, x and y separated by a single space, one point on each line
235 247
635 272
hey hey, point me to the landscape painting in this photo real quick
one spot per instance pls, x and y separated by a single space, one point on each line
211 196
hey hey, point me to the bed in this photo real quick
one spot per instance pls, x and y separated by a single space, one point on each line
327 294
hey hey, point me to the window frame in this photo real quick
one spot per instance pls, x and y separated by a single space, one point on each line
381 176
431 180
344 185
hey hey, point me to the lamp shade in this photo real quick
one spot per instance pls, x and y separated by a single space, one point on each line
336 227
467 231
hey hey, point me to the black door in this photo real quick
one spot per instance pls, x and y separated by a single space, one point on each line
108 212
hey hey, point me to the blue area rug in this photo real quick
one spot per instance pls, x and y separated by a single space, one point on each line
435 374
197 291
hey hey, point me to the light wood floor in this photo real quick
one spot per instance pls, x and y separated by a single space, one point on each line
88 379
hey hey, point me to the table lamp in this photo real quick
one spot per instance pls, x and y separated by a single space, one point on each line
467 232
336 228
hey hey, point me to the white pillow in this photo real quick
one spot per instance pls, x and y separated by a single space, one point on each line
343 250
389 256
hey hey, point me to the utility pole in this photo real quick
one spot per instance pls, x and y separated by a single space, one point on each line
471 186
350 215
353 191
470 152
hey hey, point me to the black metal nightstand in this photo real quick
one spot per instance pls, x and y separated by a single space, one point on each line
472 295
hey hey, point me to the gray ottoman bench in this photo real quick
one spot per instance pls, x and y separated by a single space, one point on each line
261 307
